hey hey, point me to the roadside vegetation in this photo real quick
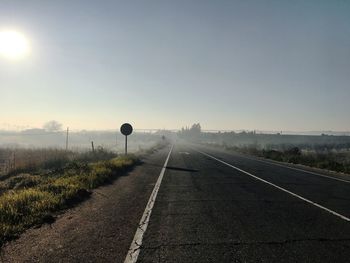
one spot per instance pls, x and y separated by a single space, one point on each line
322 157
32 193
330 152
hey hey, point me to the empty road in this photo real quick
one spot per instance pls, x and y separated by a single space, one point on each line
205 205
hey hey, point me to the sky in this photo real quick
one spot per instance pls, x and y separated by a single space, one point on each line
265 65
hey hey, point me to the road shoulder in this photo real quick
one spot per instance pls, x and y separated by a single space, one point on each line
99 229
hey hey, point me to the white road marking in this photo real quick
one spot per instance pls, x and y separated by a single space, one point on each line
135 246
186 153
300 170
278 187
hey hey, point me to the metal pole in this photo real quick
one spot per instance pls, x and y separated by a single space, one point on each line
126 145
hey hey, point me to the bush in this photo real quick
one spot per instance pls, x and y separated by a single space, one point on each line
272 154
22 181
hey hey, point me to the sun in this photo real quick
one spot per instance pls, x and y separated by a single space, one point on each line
13 45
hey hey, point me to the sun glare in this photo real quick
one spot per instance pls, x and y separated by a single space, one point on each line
13 45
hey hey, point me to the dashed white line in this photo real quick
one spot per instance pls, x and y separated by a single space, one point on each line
278 187
135 246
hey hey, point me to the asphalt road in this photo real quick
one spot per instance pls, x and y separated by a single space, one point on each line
211 206
210 212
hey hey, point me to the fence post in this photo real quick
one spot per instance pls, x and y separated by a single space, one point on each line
67 138
14 160
92 146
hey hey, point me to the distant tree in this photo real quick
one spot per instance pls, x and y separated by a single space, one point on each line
52 126
191 133
196 128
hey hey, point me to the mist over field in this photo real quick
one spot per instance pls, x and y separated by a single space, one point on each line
77 140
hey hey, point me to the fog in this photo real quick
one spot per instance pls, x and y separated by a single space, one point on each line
79 140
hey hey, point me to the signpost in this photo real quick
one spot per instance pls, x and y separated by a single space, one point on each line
126 129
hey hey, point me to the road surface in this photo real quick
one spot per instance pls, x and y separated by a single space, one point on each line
210 206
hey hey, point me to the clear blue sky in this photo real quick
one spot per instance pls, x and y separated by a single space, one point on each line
267 65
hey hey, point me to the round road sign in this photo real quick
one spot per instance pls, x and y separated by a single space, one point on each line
126 129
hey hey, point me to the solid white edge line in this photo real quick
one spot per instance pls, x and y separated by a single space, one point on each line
294 168
278 187
135 246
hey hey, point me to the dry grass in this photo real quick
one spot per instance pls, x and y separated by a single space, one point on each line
31 160
30 199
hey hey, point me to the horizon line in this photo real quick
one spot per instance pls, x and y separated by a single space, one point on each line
177 129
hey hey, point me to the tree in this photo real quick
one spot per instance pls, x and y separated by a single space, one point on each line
191 133
52 126
196 128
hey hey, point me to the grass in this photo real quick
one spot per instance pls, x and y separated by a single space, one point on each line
46 159
45 181
29 199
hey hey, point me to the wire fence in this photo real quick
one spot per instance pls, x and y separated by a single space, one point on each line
33 147
74 140
7 163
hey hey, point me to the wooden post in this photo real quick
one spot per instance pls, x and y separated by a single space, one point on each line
14 160
67 139
92 146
